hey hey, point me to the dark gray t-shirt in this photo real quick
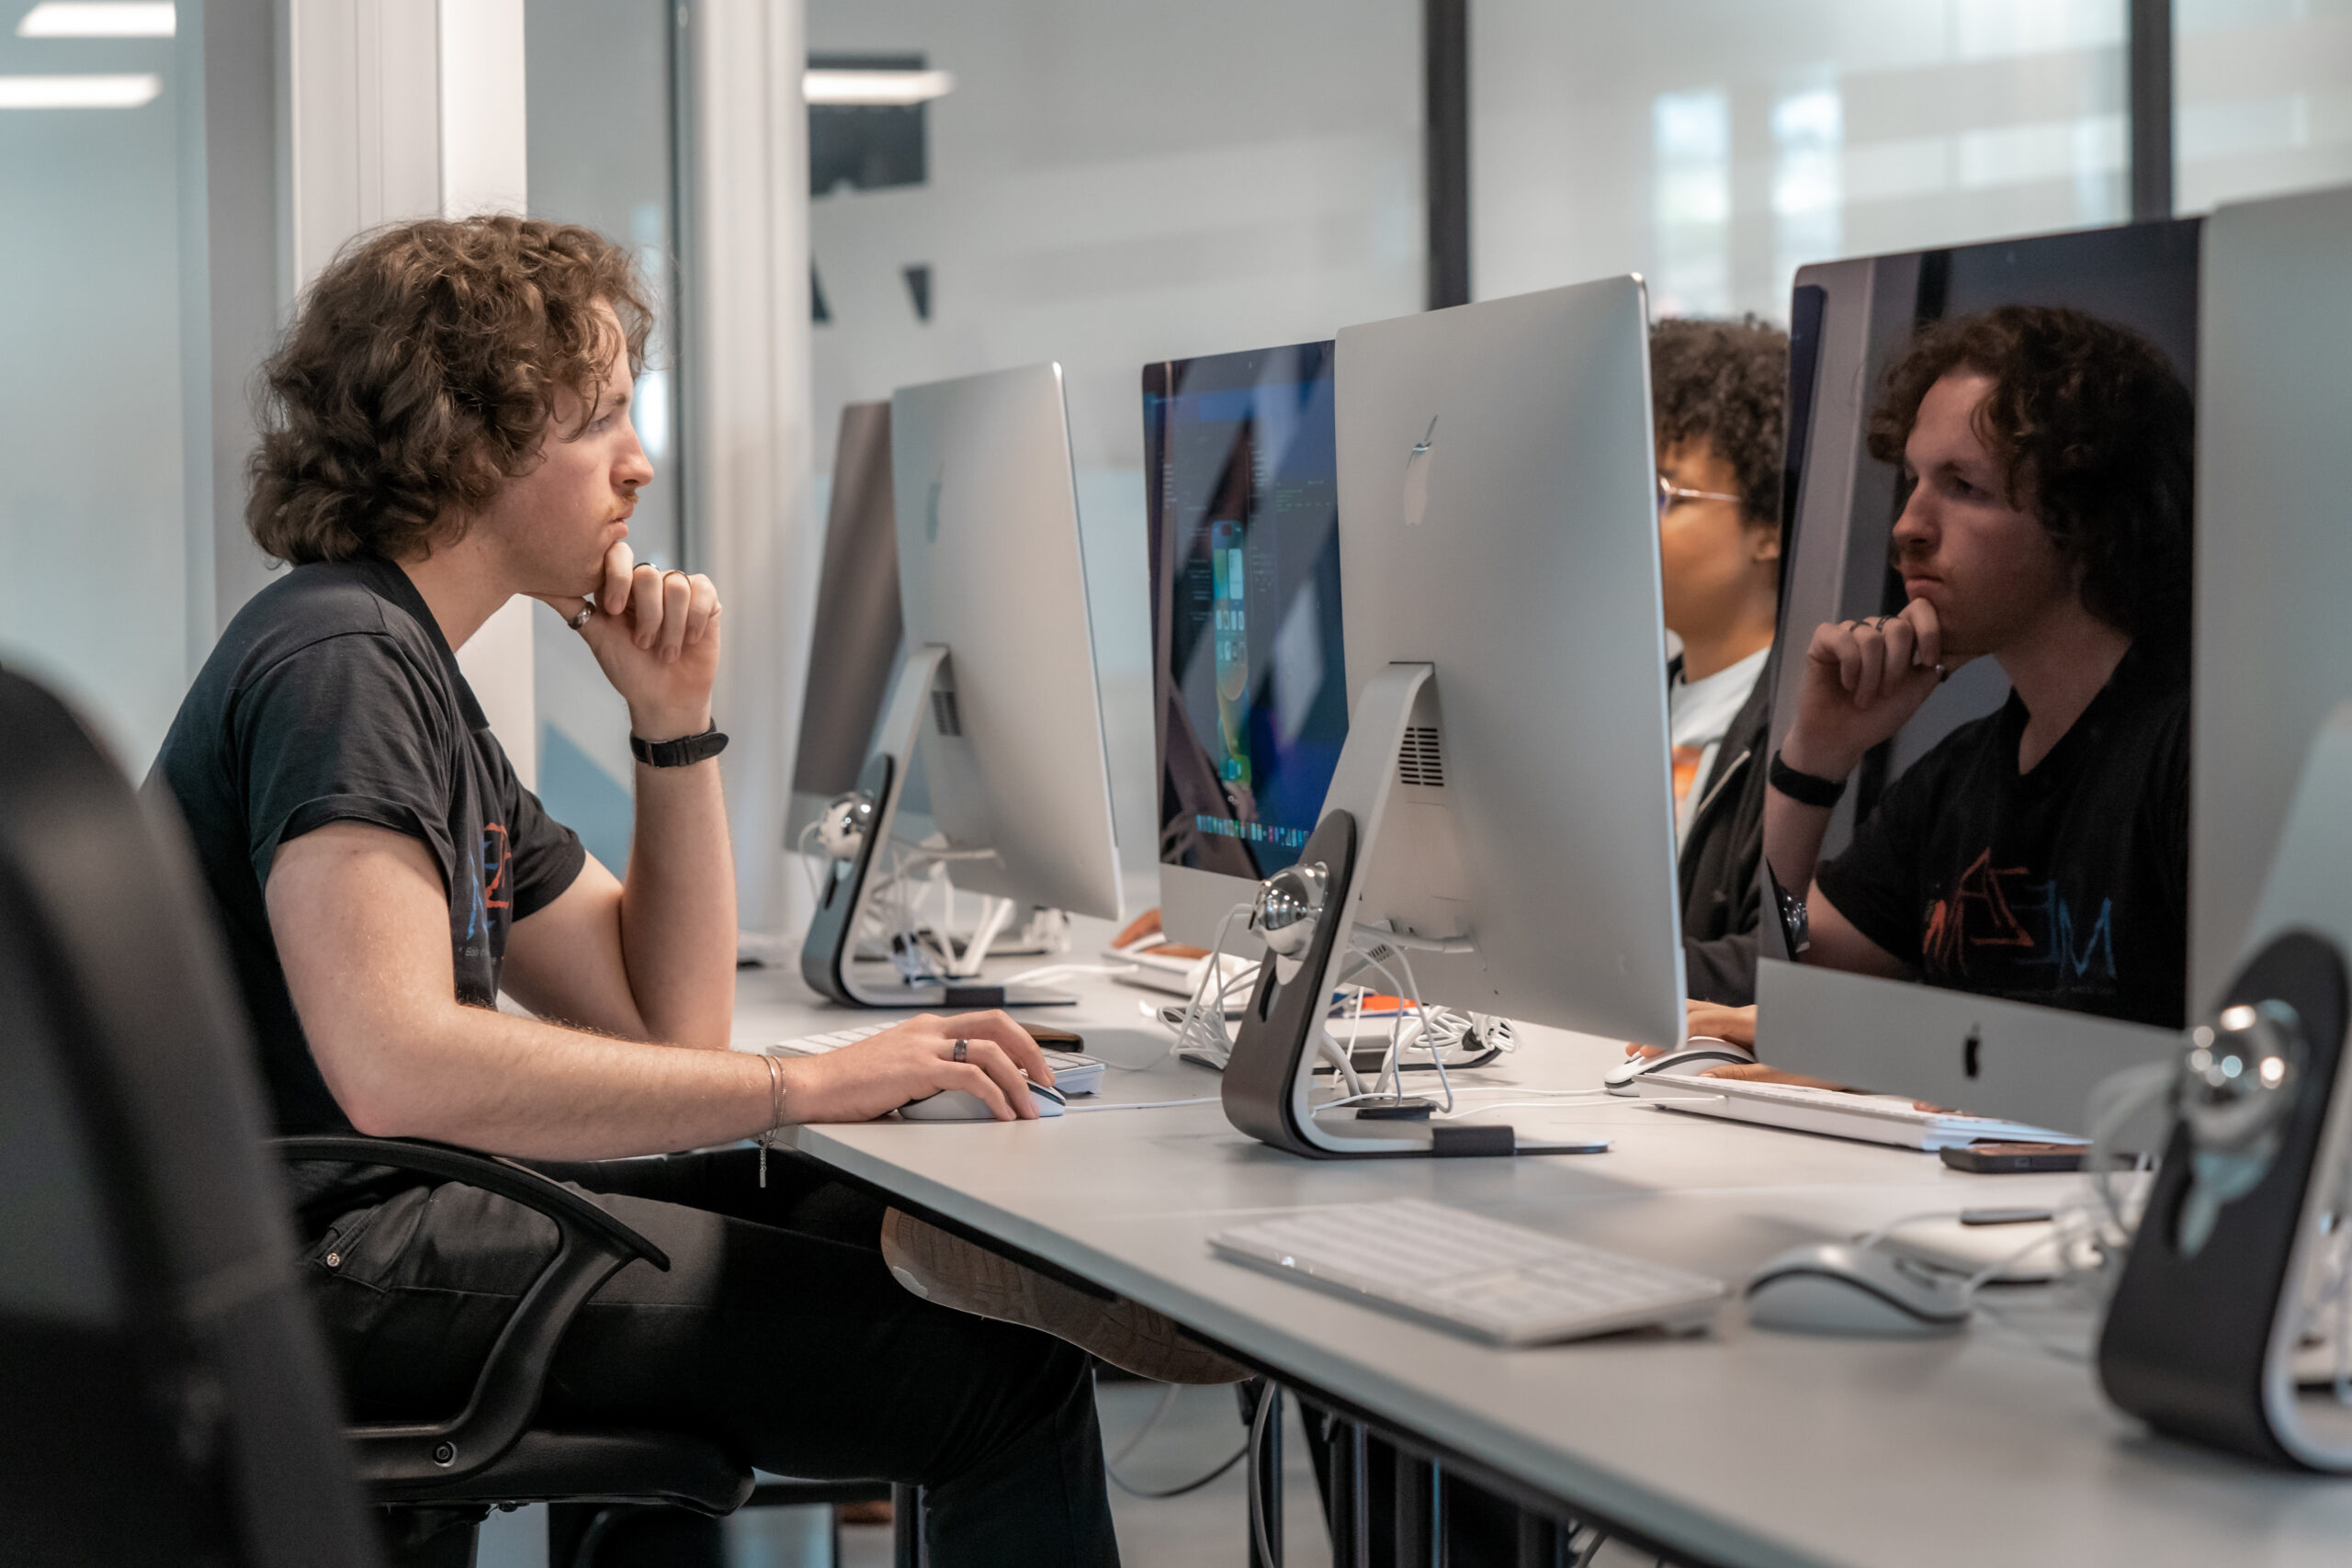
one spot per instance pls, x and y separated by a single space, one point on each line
334 697
2067 886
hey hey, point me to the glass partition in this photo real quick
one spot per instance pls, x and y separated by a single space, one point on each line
1716 147
602 138
2262 91
1108 186
92 519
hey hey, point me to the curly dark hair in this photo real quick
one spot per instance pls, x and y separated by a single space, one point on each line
1726 382
2095 432
421 374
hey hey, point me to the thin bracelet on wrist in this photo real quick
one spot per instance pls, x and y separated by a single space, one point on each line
775 1114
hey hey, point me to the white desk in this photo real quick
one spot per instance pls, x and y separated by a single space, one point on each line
1740 1448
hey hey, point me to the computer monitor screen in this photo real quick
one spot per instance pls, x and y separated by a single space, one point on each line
2029 883
853 646
1249 669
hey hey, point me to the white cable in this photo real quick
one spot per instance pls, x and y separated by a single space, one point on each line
1055 971
1498 1105
1146 1104
808 865
1871 1238
2062 1232
1193 1032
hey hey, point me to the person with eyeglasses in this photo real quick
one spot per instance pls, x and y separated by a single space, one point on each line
1718 390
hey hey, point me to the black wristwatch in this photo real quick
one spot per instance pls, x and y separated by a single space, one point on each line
683 752
1806 789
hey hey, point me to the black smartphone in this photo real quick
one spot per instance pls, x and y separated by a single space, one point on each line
2013 1159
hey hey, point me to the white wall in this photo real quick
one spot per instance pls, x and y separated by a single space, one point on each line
413 108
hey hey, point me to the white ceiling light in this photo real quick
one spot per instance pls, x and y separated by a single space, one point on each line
100 18
78 92
895 88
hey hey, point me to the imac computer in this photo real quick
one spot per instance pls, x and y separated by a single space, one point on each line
2274 643
1499 827
855 645
997 699
1248 668
1988 1054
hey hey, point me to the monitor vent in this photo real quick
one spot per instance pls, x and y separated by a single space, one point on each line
945 716
1418 761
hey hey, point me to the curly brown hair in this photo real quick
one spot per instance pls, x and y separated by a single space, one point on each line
1726 382
2095 432
421 374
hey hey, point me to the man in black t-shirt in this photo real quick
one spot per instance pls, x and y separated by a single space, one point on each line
2039 853
447 426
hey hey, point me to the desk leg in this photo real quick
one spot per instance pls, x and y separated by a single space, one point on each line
1421 1525
1541 1542
906 1527
1345 1464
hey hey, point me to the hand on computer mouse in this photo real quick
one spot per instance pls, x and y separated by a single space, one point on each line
916 1059
1710 1020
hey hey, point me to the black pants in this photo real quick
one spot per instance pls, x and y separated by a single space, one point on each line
777 1331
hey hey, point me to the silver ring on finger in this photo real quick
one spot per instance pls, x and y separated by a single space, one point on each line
580 620
963 1050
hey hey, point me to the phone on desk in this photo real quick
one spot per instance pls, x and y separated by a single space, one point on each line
2013 1159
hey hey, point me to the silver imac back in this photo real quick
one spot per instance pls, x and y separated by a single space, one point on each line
2274 643
1498 524
991 570
1988 1055
1502 813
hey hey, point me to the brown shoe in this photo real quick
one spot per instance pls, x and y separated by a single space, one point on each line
955 1273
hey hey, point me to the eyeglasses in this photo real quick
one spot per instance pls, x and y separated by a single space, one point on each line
1668 492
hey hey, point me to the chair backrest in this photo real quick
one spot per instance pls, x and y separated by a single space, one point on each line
166 1393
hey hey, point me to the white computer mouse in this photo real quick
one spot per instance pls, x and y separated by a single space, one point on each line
1699 1051
955 1105
1835 1287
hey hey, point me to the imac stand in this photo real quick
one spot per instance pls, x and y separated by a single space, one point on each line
1305 914
828 954
2232 1322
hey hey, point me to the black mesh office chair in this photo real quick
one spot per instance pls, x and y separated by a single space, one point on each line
168 1398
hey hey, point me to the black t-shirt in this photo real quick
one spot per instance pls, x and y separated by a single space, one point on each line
2067 886
334 697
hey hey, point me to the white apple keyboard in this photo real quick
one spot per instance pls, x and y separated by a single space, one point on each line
1073 1074
1868 1118
1501 1283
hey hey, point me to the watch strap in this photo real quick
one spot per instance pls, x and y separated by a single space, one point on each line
1806 789
683 752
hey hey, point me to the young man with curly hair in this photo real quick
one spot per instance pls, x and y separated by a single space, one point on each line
2039 853
447 426
1717 393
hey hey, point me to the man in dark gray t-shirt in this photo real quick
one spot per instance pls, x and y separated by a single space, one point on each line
445 427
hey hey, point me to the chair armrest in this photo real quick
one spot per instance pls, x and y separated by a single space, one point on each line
492 1173
591 1247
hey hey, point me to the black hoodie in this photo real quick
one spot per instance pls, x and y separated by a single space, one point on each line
1721 853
